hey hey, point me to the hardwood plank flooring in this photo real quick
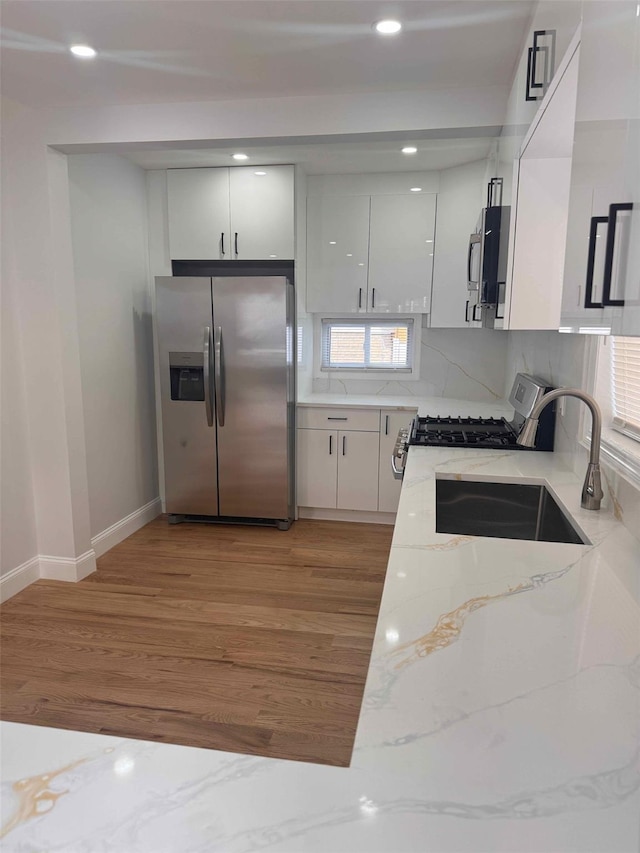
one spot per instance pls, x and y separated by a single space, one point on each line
245 639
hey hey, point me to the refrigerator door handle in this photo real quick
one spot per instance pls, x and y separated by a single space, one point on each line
206 361
219 383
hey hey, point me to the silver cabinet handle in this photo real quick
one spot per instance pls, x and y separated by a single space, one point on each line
219 383
206 361
344 445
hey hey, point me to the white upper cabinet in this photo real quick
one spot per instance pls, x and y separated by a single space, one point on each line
401 235
231 214
602 263
262 212
370 244
460 199
198 201
337 253
542 178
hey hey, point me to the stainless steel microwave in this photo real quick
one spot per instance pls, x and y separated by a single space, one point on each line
487 255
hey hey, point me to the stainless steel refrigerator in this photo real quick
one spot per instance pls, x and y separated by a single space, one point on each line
226 350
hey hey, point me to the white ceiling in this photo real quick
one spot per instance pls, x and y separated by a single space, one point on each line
328 158
186 50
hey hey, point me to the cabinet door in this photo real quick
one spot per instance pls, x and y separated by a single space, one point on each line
460 199
262 212
541 202
602 265
337 253
317 475
358 454
198 204
401 251
388 486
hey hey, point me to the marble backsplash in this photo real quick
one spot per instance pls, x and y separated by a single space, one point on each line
469 364
561 359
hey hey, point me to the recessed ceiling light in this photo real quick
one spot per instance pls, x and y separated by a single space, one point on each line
82 50
409 149
388 27
273 256
332 242
240 156
258 173
416 189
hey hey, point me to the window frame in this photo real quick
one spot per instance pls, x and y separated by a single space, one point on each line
618 450
389 374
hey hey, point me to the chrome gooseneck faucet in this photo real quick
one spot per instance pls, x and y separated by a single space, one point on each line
592 489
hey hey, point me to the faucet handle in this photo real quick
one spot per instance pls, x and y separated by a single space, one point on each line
592 493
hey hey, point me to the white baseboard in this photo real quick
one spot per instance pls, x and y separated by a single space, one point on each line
75 569
68 568
19 578
115 534
365 517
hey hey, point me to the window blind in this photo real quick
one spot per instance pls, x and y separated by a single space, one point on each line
625 385
367 345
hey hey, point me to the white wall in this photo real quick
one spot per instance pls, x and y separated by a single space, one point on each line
18 542
110 253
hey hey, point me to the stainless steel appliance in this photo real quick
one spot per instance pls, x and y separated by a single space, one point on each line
487 257
495 433
226 358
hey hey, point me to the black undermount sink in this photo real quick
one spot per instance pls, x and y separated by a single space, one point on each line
502 510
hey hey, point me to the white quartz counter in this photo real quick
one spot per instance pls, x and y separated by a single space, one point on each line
501 713
424 405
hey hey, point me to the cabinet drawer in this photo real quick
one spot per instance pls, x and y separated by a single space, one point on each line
364 420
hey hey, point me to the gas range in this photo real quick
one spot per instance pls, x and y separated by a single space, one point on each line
462 432
493 433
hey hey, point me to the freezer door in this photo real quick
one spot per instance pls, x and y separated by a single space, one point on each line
253 368
184 329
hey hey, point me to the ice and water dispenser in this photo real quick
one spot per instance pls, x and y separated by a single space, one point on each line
187 376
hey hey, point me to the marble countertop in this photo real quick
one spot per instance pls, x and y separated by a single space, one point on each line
501 713
424 405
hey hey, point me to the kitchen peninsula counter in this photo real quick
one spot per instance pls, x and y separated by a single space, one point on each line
501 713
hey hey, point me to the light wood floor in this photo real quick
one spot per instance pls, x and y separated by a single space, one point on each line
244 639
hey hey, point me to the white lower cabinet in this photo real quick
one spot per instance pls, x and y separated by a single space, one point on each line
358 470
317 468
388 487
349 468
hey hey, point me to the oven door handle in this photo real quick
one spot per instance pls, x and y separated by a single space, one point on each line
397 472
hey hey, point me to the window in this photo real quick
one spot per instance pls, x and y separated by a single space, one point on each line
378 345
613 363
625 385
